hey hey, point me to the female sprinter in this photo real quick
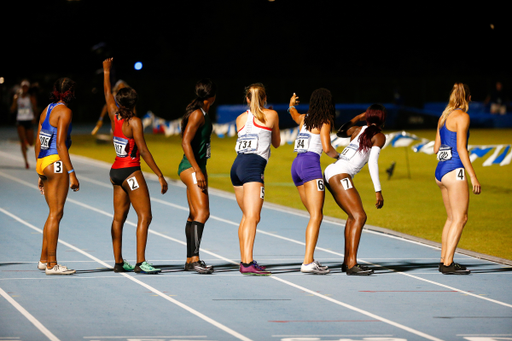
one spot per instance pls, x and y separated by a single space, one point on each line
25 106
126 177
196 127
56 173
118 86
257 129
313 138
365 145
451 149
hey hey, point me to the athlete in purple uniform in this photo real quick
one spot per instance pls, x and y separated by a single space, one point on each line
313 139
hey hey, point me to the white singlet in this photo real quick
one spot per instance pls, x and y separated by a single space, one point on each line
306 141
25 110
254 138
351 161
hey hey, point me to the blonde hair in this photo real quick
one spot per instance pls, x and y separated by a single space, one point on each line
459 99
257 97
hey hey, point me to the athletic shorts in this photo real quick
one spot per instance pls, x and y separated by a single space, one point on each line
339 167
25 124
44 162
247 168
185 164
306 167
118 175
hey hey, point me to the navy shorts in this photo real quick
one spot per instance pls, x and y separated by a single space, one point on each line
306 167
247 168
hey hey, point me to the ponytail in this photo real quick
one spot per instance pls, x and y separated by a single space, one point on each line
256 96
375 118
459 99
205 89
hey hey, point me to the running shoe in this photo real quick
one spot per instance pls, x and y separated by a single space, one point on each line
41 266
253 269
363 267
199 267
59 270
454 269
146 268
314 268
324 267
123 267
358 270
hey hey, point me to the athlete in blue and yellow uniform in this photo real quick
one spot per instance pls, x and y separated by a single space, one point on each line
56 173
451 149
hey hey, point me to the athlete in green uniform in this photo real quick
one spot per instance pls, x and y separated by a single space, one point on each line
196 128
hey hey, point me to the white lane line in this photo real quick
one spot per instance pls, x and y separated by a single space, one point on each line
147 286
206 318
29 316
270 234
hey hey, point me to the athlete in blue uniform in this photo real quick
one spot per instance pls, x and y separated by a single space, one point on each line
56 173
451 149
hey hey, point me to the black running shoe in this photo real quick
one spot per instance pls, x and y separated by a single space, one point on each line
358 270
454 269
199 267
363 267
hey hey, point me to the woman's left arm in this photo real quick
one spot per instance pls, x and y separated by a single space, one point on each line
65 116
276 134
462 121
325 138
138 136
378 142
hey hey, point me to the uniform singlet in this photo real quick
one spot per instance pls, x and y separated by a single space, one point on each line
448 155
253 138
200 145
25 110
353 159
127 153
48 135
306 141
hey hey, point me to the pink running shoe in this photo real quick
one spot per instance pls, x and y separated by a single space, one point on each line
254 270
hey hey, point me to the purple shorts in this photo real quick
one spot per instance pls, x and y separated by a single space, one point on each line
306 167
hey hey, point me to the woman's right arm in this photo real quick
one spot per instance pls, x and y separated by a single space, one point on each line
296 116
195 121
107 89
462 121
347 129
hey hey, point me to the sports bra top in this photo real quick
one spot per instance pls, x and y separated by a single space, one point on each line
127 153
48 134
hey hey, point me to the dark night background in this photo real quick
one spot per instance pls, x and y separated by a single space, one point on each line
362 52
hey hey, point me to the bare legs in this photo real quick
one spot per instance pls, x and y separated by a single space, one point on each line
199 207
313 199
139 199
26 137
56 186
455 195
349 201
250 199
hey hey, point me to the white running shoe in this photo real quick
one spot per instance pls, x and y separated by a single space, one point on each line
41 266
59 270
314 268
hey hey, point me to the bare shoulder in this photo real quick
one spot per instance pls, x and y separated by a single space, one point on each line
379 140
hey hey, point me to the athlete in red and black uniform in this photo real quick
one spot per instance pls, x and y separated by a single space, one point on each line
126 177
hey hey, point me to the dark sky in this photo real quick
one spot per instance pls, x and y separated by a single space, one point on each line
243 41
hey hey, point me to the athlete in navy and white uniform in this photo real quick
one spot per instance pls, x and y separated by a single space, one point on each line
258 128
25 106
365 145
313 139
451 149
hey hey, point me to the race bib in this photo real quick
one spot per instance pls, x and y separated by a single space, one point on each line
302 143
57 167
444 153
132 183
460 174
45 138
247 144
346 183
120 146
348 152
208 150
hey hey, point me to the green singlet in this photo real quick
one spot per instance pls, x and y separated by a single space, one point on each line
200 145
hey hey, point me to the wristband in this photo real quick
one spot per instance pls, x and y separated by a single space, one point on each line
71 171
290 108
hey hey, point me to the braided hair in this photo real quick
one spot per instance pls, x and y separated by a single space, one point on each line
63 90
321 109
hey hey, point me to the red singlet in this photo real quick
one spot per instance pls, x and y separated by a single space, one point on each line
127 152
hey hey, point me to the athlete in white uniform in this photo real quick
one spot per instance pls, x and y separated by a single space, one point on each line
364 147
25 106
257 128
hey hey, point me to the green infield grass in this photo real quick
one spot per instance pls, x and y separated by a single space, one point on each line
412 200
